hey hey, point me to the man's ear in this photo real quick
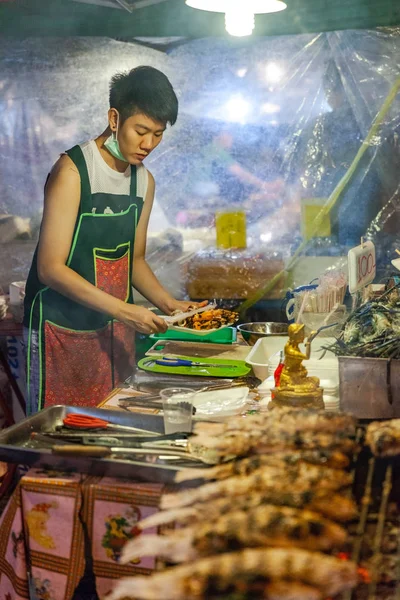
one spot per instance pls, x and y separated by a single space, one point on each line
113 119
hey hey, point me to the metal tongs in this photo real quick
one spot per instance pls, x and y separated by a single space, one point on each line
139 403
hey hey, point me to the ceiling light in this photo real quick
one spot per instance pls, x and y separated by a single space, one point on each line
239 14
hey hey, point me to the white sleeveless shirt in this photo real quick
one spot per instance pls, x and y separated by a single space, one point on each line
104 180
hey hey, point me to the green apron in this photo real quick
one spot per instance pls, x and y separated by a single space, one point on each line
83 353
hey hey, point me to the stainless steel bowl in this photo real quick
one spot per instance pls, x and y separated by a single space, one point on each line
252 332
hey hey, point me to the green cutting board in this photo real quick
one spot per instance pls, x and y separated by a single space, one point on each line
227 335
229 368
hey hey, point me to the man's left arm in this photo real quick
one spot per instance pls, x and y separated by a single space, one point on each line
143 278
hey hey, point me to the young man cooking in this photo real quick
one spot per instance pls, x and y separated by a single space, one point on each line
79 312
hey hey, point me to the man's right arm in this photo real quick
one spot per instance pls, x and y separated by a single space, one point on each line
61 205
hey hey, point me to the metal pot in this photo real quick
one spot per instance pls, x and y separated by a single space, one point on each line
252 332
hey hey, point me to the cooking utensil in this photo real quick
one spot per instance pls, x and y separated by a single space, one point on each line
77 421
252 332
106 451
152 383
181 316
161 441
180 362
134 402
120 438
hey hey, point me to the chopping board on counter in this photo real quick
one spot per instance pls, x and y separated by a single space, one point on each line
173 349
225 335
228 368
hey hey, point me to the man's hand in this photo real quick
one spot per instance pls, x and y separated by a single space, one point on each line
141 319
184 306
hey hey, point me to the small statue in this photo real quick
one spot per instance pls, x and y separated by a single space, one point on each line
295 387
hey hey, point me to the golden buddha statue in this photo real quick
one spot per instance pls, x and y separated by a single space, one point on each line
295 387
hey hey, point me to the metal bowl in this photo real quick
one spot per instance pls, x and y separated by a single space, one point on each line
252 332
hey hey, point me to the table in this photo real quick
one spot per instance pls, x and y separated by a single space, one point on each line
47 521
52 515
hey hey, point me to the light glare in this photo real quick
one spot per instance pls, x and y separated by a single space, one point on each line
273 72
270 108
237 108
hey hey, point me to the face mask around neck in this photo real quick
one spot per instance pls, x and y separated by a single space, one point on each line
112 145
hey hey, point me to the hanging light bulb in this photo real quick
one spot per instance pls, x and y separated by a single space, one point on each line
239 14
239 21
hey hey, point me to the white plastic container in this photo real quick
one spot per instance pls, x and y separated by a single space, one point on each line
264 357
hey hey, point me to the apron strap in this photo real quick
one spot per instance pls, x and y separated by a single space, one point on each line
133 190
76 155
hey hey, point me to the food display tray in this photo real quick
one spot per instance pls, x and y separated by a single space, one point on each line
16 446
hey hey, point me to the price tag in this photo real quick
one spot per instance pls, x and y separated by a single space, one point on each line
362 266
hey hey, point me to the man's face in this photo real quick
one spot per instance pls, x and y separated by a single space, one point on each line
138 136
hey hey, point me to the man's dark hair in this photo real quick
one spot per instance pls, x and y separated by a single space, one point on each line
144 90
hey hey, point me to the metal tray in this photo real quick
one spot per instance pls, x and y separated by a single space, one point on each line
16 446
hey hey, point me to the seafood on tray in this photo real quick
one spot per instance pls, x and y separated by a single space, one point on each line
286 418
274 573
372 330
383 437
262 524
331 505
277 431
329 458
274 440
215 318
270 477
265 525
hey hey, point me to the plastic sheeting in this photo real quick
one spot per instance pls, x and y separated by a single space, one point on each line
269 126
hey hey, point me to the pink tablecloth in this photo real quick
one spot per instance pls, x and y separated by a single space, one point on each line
42 532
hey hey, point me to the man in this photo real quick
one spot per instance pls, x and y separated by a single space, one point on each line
79 311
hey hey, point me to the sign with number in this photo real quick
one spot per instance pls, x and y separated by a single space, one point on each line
362 266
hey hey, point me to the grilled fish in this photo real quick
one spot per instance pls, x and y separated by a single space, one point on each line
262 526
247 588
241 571
242 443
285 418
336 507
271 477
332 459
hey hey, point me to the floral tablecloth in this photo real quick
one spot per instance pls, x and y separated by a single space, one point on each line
55 522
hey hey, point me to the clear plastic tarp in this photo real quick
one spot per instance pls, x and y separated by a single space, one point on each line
268 126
